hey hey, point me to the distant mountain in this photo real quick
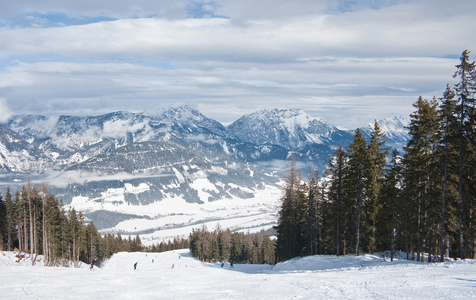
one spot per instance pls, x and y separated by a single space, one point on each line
17 154
395 129
119 165
291 129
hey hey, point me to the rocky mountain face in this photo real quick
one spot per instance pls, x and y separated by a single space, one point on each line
395 130
291 129
125 159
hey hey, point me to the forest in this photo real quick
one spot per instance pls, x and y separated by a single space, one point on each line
373 199
234 247
34 221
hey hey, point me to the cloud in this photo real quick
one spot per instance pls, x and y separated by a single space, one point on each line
92 8
63 179
317 55
392 31
120 128
313 84
5 112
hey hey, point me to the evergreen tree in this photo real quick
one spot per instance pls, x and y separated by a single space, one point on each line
314 218
465 91
420 181
389 218
359 161
224 244
377 155
289 232
449 160
3 223
337 171
236 248
10 226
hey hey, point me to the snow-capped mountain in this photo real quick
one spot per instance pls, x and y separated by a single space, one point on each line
395 130
291 129
17 155
124 165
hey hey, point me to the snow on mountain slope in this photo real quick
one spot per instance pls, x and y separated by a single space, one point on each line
120 166
291 129
17 155
323 277
395 129
172 217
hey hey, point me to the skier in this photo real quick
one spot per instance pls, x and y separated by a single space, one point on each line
173 265
222 265
92 264
135 265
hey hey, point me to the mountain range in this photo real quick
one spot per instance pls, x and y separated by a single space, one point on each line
111 165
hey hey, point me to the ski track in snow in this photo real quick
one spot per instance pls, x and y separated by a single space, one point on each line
316 277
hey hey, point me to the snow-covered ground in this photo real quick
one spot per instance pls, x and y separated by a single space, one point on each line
174 217
316 277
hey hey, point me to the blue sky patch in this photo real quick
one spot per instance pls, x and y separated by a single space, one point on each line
39 20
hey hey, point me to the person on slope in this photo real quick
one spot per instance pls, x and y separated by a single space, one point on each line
92 264
135 265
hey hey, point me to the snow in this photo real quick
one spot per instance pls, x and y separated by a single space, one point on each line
315 277
175 217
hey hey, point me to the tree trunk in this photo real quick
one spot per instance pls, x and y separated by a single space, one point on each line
445 203
358 209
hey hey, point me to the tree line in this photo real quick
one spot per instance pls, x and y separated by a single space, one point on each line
34 221
234 247
169 245
421 202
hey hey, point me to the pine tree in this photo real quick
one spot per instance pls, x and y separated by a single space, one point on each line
23 219
313 220
389 218
10 228
420 182
337 169
74 230
3 223
236 248
448 147
224 244
288 228
359 161
377 155
465 91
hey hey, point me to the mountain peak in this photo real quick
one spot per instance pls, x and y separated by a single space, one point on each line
182 113
291 128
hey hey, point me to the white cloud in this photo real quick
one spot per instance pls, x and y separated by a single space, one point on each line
267 54
392 31
63 179
120 128
5 112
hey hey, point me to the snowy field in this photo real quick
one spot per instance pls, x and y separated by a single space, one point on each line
317 277
172 217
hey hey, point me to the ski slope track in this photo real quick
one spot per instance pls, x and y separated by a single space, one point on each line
314 277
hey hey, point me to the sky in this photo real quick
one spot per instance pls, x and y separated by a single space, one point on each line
347 61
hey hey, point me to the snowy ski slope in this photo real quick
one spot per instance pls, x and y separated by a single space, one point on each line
316 277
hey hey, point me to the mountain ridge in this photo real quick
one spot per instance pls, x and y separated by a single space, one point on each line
123 163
